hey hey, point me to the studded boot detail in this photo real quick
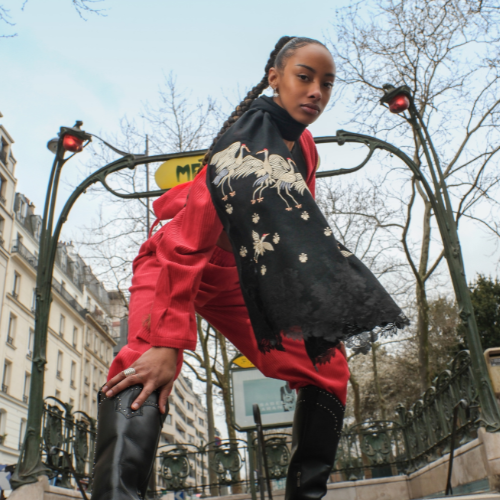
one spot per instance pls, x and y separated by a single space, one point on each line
126 445
316 431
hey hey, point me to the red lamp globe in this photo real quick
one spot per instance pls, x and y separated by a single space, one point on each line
72 143
399 103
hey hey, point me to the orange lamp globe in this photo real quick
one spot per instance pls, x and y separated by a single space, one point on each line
399 103
72 143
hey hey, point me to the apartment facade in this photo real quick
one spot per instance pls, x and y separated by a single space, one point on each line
80 343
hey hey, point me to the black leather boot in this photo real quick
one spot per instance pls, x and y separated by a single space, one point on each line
316 431
126 445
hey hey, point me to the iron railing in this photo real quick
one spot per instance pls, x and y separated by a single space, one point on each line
72 432
372 449
59 287
19 248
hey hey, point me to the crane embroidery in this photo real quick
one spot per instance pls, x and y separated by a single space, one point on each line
273 171
259 245
226 163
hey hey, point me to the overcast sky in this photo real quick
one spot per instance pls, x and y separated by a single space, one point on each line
60 68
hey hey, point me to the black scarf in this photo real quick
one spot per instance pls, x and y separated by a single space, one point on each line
296 279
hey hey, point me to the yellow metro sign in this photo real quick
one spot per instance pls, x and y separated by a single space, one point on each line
179 170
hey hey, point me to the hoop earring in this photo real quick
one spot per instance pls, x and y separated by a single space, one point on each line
275 92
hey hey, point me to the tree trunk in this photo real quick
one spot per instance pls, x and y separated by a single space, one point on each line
210 404
381 399
357 399
422 303
226 396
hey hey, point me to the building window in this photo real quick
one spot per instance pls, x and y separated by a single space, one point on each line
94 378
179 395
31 341
2 226
101 353
7 368
201 421
11 330
72 375
17 284
87 373
189 406
58 394
169 419
72 402
181 432
94 408
87 337
190 438
75 336
108 355
3 425
27 383
85 403
62 325
59 365
22 432
96 343
33 300
3 188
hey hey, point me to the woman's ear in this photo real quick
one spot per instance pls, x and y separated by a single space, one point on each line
273 78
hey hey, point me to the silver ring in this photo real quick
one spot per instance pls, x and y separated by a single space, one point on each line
128 372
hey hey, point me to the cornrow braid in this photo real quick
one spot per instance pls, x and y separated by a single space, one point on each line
245 104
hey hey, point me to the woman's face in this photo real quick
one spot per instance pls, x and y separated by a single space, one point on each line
305 83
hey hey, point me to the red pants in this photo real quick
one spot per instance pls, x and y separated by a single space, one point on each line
220 302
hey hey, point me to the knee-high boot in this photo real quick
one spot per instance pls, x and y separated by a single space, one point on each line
316 432
126 445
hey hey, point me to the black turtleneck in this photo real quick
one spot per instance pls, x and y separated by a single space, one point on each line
290 129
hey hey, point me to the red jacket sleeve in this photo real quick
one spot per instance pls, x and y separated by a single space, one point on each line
183 248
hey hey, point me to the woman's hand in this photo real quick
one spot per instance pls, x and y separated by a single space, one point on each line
155 369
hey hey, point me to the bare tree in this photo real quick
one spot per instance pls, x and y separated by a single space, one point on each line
174 124
447 52
82 7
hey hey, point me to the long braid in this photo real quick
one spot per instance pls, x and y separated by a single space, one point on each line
244 105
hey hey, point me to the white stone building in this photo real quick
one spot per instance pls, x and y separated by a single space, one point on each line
79 346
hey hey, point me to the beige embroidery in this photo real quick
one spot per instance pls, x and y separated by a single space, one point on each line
305 215
328 231
226 164
259 245
243 251
255 218
303 257
276 238
263 270
345 253
273 171
229 208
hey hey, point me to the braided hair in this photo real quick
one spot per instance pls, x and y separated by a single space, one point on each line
283 49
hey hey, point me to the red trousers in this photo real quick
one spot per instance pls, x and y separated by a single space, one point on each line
220 302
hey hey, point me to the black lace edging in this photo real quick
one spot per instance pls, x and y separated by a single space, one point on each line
354 337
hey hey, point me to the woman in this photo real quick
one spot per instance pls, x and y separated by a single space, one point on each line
248 249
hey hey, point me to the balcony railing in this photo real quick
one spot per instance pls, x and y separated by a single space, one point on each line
68 298
19 248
